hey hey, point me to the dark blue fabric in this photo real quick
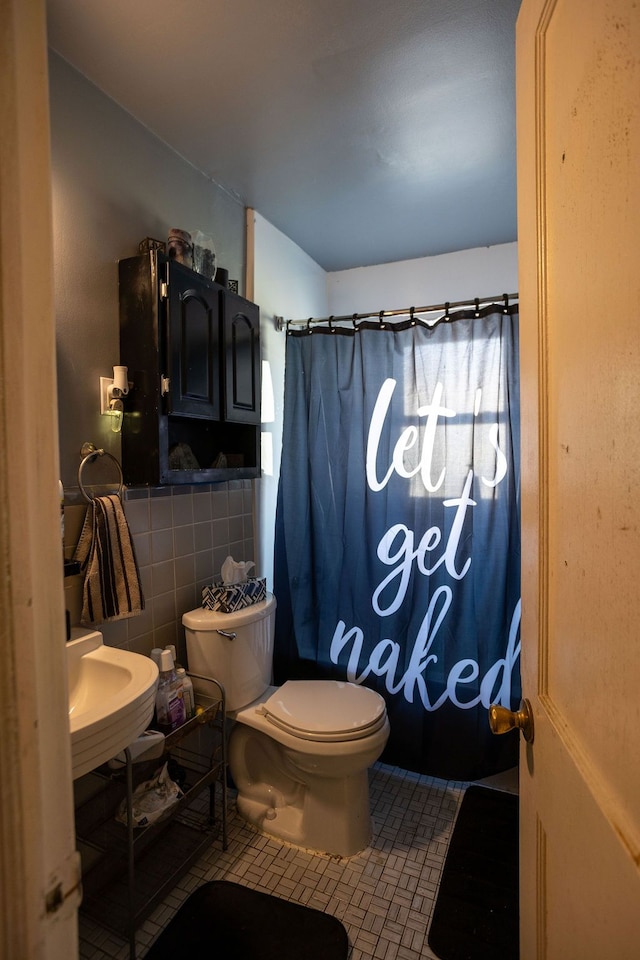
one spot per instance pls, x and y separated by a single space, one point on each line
397 556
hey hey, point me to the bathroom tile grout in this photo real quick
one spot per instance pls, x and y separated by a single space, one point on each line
384 896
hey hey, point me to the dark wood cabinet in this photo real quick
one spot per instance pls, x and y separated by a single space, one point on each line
193 352
242 374
193 336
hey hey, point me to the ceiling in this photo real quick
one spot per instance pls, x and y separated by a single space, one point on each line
367 131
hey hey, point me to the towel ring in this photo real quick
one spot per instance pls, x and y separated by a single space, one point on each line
89 452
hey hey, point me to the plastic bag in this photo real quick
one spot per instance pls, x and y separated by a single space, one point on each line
153 800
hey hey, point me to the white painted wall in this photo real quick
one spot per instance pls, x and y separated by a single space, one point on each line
287 282
481 272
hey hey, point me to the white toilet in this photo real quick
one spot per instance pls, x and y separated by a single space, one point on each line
298 753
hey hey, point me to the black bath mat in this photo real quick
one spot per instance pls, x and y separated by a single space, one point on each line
476 915
231 922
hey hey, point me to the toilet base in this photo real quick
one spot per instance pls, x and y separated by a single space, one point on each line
318 824
293 798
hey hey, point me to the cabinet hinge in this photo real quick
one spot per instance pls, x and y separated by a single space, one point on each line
165 384
164 289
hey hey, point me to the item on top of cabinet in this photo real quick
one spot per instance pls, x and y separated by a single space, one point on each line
148 244
180 247
204 255
222 277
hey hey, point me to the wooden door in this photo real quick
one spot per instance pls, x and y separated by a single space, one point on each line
578 107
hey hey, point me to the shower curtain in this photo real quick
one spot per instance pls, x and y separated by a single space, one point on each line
397 552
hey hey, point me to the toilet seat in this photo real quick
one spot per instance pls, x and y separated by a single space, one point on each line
326 711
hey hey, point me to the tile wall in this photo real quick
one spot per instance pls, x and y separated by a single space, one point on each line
181 537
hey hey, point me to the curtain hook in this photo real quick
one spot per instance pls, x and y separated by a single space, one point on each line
477 303
331 326
353 321
506 303
446 311
411 317
381 320
309 330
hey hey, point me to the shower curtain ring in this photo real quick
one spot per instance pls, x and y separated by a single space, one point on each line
477 303
506 303
446 311
411 317
381 320
331 326
353 321
309 330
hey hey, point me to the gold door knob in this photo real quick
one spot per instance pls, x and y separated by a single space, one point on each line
502 720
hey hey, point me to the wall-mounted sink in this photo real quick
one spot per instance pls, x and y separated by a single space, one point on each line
111 698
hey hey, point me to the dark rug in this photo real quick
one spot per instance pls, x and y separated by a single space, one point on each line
232 922
476 915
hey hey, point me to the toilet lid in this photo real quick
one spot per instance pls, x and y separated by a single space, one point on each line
325 710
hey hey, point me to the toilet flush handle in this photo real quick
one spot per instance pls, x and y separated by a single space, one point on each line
227 633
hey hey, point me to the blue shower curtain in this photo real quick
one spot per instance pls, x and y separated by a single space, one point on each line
397 554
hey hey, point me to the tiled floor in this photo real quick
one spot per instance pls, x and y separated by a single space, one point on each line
384 896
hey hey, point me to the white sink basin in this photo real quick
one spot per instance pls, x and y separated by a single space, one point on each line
111 698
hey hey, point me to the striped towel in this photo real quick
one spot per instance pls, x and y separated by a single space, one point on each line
112 589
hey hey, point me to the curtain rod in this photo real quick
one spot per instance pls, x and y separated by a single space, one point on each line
281 323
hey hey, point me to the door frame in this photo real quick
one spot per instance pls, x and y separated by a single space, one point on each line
39 869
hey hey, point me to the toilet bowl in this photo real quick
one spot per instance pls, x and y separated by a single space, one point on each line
298 753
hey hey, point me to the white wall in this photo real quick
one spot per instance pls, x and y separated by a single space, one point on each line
481 272
287 282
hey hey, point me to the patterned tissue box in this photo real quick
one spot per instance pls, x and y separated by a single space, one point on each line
227 598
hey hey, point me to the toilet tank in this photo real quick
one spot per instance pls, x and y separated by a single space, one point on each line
234 648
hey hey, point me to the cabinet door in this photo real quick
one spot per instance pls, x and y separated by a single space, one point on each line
242 359
193 345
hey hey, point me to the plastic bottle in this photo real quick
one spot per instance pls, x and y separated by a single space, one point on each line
187 693
155 655
169 700
172 648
